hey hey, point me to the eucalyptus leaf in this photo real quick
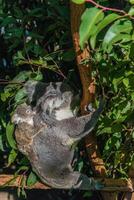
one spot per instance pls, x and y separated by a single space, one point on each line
126 82
78 1
104 23
10 136
20 95
89 21
131 11
131 53
120 31
1 143
32 179
131 1
22 76
12 156
22 168
38 76
7 20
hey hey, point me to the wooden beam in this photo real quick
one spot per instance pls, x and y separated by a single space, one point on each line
110 185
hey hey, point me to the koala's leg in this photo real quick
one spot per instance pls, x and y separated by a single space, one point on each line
79 127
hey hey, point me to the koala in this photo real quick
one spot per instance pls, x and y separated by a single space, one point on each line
24 132
58 101
48 131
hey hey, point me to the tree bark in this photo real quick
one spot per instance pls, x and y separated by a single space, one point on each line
88 93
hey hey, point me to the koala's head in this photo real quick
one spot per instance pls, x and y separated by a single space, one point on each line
23 113
55 99
57 105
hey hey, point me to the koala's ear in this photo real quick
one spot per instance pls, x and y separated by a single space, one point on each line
30 89
34 90
15 118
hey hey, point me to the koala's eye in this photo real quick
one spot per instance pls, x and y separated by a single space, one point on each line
28 111
47 111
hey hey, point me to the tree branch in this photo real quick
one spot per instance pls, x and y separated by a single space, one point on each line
110 9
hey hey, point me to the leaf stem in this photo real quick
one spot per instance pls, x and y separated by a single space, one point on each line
109 9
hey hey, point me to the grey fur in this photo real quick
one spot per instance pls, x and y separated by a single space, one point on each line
47 141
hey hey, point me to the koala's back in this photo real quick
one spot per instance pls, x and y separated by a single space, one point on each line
52 154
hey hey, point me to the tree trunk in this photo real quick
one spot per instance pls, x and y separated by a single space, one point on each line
88 94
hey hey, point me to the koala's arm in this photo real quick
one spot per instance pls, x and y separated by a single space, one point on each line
79 127
36 89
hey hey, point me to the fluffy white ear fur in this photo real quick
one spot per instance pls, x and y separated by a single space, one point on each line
17 119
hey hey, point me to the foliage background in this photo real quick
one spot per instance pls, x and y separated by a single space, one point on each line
36 43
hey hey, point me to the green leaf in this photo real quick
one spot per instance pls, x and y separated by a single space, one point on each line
106 21
20 95
22 168
16 32
131 1
8 20
22 76
1 143
89 20
19 55
105 130
3 97
131 54
21 192
35 35
80 165
126 82
117 128
18 12
32 179
132 96
12 156
37 76
36 12
120 31
126 106
116 82
10 136
87 194
78 1
131 11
